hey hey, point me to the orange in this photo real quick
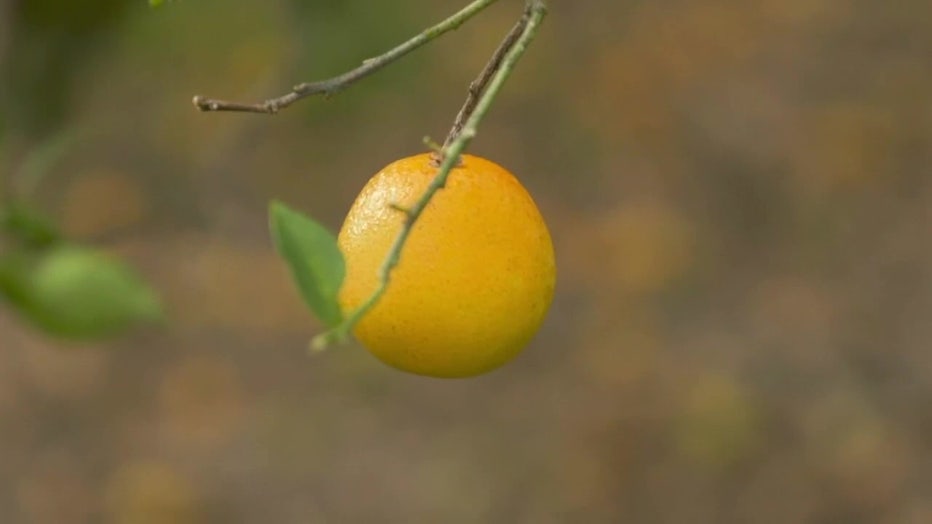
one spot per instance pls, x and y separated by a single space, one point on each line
475 278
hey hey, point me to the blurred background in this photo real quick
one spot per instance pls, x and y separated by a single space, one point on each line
740 198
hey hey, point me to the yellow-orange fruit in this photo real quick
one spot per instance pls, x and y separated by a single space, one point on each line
476 276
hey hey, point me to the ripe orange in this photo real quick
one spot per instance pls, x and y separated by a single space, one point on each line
476 276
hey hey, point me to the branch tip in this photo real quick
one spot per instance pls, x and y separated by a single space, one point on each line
333 85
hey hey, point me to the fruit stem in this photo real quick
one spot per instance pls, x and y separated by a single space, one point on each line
333 85
478 86
535 12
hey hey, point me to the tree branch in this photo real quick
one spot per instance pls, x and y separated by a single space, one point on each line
500 71
338 83
477 86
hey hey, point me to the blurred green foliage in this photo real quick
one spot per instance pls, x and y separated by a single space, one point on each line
28 226
76 293
66 290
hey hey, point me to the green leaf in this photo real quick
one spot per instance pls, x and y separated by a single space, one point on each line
15 277
315 261
78 293
155 3
28 225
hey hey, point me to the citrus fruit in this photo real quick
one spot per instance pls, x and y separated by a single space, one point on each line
475 278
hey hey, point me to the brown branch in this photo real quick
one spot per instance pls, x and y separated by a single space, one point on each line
477 86
338 83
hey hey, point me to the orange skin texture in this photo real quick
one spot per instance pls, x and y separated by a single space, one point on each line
475 278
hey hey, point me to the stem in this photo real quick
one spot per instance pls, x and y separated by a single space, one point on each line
477 86
534 14
333 85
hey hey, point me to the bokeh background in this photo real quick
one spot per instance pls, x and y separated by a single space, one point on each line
740 197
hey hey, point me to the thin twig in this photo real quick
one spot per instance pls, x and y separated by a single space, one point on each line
333 85
534 12
477 86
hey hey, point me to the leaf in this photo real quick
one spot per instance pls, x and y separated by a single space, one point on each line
15 278
28 225
316 262
78 293
155 3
